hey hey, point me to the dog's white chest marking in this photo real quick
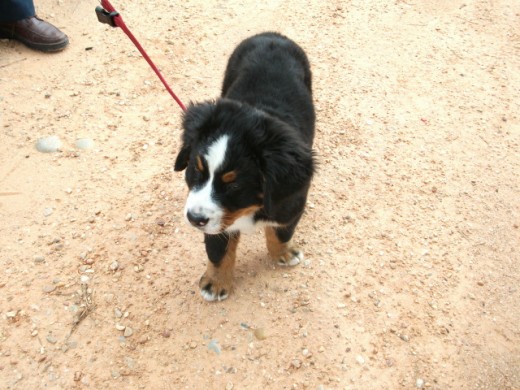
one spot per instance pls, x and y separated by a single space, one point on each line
245 224
248 225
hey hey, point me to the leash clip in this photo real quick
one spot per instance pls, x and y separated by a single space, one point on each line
106 17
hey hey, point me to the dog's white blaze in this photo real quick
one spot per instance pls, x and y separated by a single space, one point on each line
200 200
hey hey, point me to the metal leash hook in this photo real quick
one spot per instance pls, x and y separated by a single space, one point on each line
106 17
107 14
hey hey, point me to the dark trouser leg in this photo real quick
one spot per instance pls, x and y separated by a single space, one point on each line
217 281
14 10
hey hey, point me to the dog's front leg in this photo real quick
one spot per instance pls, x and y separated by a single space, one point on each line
280 247
217 281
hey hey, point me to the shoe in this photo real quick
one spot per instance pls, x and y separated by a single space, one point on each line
35 33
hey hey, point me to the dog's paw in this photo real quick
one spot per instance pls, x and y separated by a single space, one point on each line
213 290
290 258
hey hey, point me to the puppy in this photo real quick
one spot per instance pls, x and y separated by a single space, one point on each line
248 156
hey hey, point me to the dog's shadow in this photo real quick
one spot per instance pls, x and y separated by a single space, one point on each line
257 274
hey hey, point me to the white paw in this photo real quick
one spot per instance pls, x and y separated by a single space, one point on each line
295 259
211 296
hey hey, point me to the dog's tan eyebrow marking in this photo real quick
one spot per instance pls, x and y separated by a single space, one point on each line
229 177
200 165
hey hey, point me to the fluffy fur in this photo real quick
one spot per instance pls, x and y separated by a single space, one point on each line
248 156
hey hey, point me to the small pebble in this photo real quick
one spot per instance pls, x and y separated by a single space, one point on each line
108 298
360 359
130 362
48 289
47 212
84 279
213 346
84 143
404 337
11 314
118 313
51 339
114 266
128 332
260 334
38 259
419 383
49 144
120 327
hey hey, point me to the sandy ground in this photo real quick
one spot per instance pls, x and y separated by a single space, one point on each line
411 234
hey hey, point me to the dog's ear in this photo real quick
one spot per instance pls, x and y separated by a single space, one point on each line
181 162
195 120
287 162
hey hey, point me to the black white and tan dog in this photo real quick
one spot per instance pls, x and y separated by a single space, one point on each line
248 156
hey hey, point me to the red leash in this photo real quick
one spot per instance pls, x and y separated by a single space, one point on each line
108 14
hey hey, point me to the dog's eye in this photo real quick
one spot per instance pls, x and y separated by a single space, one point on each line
229 179
231 187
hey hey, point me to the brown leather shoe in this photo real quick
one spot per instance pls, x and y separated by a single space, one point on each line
35 33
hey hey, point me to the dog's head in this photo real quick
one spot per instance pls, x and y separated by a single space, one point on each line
238 160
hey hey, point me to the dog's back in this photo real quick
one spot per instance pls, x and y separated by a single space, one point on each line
272 73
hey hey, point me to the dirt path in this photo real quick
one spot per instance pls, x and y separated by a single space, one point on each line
411 236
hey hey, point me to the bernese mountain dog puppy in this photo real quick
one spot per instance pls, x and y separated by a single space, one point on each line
248 156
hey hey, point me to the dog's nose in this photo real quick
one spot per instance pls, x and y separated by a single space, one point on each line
197 220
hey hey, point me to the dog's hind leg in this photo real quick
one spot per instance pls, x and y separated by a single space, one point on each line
279 245
217 281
